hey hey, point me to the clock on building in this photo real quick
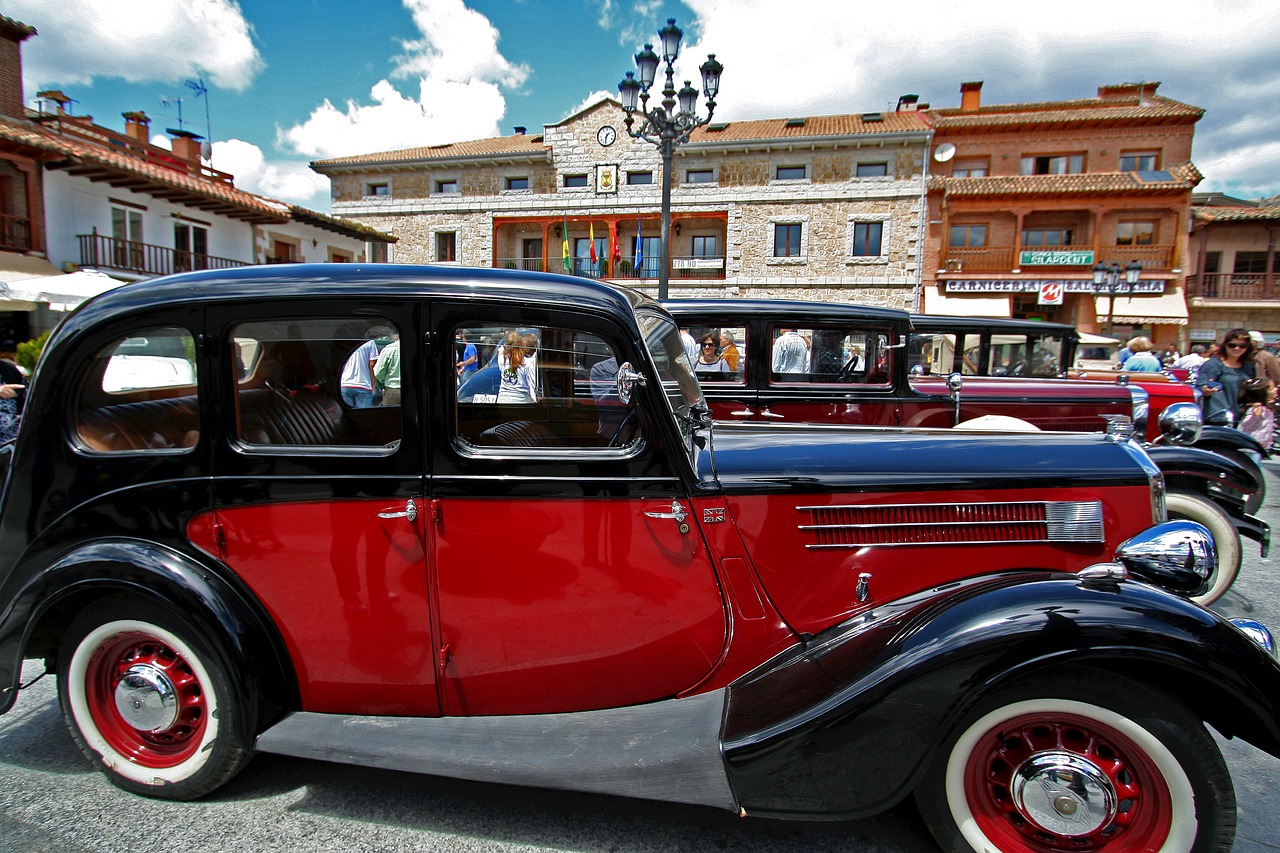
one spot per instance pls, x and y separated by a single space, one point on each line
606 135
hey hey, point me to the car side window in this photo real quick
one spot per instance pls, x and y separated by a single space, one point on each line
831 355
721 356
139 394
317 382
540 388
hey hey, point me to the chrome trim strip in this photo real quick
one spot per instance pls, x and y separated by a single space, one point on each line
667 750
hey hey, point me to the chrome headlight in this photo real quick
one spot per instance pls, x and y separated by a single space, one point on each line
1178 556
1180 423
1141 405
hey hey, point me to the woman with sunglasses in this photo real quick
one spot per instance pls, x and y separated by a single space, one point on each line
710 364
1222 376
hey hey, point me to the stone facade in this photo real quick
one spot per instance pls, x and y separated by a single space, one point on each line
729 199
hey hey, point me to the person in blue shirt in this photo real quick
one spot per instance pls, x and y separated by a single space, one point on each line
1141 359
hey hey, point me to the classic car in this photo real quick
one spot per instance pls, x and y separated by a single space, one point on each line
592 585
859 371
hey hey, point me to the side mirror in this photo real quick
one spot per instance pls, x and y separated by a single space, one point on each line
954 383
628 379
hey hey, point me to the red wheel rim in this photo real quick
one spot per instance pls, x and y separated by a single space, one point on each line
1143 818
177 742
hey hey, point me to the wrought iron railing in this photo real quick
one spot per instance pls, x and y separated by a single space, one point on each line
15 233
1239 286
100 252
682 268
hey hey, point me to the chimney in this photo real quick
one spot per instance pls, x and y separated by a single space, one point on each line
521 130
907 103
970 97
137 126
12 35
186 145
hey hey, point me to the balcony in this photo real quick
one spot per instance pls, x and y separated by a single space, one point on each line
15 233
108 253
992 259
1243 287
683 268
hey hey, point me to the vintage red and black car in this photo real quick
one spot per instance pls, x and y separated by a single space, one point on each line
863 368
593 586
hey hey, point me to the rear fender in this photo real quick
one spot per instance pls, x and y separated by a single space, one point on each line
846 726
41 610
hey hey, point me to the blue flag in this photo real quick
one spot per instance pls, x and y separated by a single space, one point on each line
639 247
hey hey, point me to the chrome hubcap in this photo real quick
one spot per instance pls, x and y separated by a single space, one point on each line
146 699
1063 793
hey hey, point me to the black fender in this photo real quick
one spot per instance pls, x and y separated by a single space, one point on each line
1214 437
846 726
52 595
1196 468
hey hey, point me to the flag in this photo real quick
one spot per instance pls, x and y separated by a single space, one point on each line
591 232
639 247
615 253
564 248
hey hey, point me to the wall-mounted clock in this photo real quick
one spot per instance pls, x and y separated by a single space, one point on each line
606 135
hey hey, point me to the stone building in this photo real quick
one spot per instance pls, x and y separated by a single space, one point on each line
817 207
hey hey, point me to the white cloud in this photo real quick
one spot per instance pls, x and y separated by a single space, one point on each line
140 40
287 181
460 74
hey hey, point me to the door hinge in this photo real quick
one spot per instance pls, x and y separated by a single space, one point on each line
446 652
437 514
220 538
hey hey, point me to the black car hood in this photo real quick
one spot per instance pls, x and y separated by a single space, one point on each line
772 457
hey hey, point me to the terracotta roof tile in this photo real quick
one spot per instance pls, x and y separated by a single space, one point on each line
1236 214
497 146
806 127
1155 107
1184 176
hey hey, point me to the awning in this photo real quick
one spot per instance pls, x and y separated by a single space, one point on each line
1087 339
62 291
14 268
1168 308
937 302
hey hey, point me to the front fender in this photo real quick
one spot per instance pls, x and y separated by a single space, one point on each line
41 609
1196 462
1214 437
846 726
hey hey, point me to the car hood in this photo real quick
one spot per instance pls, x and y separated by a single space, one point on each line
798 457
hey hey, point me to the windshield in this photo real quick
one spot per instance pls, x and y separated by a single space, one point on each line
675 371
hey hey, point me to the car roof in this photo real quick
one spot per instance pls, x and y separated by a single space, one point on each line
784 309
285 281
995 324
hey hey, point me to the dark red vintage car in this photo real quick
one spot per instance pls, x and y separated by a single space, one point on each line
861 366
581 581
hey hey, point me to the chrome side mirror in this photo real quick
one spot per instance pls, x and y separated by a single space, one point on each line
1178 556
1181 423
628 379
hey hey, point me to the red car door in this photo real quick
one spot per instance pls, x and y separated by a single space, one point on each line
566 578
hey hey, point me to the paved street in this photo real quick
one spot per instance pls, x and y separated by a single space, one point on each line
51 801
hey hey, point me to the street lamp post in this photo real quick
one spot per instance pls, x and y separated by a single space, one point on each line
666 126
1108 275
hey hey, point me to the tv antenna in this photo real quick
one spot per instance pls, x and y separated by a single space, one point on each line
199 89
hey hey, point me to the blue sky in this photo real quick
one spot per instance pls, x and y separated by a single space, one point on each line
290 81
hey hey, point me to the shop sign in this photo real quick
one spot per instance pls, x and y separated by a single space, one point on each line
1035 285
1056 258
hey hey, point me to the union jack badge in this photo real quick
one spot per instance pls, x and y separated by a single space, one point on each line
713 515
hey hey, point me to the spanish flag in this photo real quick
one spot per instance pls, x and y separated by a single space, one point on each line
564 248
591 231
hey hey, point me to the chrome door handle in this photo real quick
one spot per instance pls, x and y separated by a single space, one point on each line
742 413
677 512
765 413
410 512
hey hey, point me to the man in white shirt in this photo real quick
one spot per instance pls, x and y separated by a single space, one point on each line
790 353
1191 361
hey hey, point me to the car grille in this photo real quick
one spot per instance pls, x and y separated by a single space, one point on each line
867 525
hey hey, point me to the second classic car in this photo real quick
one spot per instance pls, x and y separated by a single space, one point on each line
857 369
586 583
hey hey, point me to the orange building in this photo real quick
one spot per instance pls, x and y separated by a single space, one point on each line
1024 200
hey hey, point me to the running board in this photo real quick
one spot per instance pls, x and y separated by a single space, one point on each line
667 750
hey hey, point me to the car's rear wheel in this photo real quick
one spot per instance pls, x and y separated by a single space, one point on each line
1084 762
1226 539
151 701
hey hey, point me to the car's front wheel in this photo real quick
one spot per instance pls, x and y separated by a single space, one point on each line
151 701
1226 539
1080 761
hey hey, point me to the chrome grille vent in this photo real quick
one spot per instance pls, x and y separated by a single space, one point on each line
867 525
